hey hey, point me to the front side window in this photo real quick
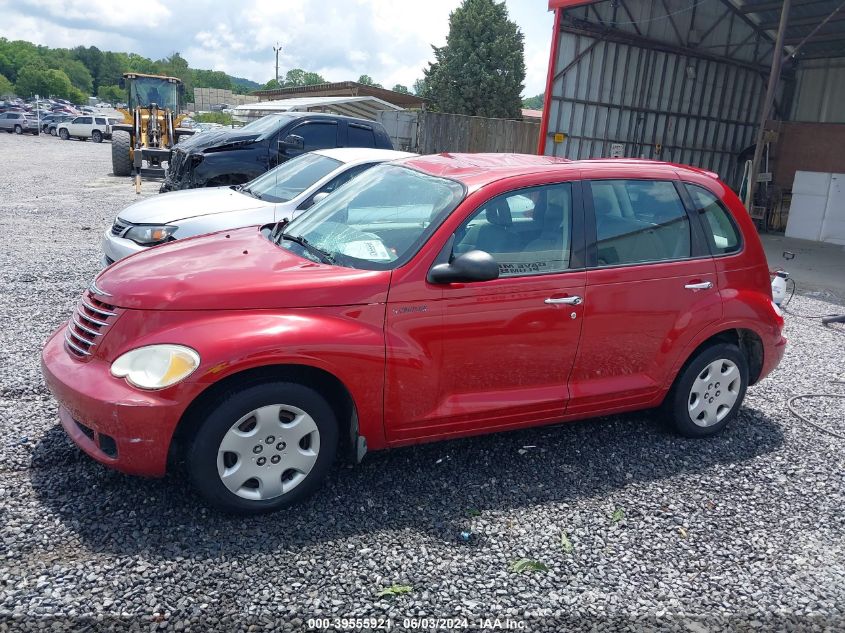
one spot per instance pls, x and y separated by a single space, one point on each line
291 178
84 120
639 221
528 232
378 221
317 135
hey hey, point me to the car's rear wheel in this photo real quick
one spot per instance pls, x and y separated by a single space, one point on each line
18 129
64 134
53 131
263 447
97 136
709 391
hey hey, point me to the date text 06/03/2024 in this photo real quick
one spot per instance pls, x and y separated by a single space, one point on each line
422 624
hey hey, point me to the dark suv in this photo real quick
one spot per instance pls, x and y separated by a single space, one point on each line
235 156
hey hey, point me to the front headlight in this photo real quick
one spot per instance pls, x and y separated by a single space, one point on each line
156 366
150 235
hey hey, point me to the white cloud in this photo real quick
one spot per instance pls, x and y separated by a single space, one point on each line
340 39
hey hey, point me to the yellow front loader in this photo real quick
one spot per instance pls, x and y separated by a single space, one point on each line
150 127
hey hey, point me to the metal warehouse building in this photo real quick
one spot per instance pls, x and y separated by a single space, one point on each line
686 81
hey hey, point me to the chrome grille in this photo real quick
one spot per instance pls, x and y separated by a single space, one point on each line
87 325
119 227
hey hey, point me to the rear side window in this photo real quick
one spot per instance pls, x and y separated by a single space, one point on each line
719 227
360 136
639 221
100 121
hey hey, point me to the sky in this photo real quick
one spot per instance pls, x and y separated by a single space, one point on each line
389 40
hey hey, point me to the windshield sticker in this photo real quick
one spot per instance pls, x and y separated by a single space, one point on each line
373 250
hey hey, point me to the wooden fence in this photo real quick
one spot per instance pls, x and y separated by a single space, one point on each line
434 132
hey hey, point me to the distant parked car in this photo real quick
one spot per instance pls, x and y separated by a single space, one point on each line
18 122
47 119
62 118
283 192
235 156
94 127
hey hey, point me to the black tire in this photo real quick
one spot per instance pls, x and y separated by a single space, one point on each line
97 136
18 129
52 131
64 134
680 404
218 419
120 160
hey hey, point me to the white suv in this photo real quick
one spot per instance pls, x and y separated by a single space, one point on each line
87 126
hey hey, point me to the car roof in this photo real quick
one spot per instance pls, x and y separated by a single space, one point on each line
477 170
362 154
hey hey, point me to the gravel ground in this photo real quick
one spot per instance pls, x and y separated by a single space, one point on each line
638 528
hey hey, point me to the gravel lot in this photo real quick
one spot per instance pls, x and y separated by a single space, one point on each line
638 528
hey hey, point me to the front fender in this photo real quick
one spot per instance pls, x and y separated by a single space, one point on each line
345 341
245 163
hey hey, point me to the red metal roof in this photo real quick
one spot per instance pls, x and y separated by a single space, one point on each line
566 4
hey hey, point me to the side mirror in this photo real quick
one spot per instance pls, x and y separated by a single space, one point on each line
292 141
320 196
471 266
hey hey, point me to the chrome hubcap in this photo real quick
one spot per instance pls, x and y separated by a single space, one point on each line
268 452
714 392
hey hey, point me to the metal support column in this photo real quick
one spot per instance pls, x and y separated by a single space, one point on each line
774 78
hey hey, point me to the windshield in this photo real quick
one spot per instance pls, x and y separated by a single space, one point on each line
291 178
378 220
146 90
269 123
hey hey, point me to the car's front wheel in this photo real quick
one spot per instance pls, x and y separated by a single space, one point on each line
709 391
263 447
64 134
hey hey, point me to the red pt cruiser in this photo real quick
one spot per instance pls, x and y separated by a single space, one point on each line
431 298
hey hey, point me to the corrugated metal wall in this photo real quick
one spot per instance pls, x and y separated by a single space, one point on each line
676 104
820 91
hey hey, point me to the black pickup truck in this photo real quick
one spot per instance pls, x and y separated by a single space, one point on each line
235 156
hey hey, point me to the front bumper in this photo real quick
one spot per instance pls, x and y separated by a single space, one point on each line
124 428
116 248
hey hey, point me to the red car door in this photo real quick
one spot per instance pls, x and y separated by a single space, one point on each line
650 288
464 358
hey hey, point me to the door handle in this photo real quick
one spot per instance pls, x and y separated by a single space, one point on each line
572 301
703 285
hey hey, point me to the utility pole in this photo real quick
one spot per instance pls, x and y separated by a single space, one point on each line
277 49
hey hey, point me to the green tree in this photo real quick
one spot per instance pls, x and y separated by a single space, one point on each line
6 87
481 69
33 80
78 74
534 103
111 94
91 58
368 81
401 88
110 70
419 87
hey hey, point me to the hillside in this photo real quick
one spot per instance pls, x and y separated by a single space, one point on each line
27 69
